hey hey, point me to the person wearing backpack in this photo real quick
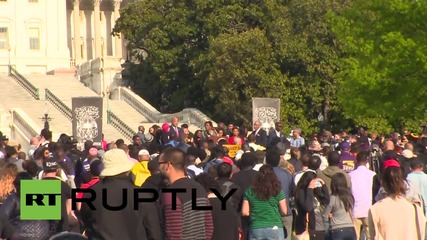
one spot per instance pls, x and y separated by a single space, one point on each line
217 155
224 173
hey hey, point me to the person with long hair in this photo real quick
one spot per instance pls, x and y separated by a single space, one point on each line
339 210
197 138
236 138
8 172
311 198
395 217
264 202
26 229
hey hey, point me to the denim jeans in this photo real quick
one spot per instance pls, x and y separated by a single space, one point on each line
269 233
287 224
343 234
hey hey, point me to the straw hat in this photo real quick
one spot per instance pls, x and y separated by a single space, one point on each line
115 162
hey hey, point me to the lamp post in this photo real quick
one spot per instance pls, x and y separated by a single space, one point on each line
9 70
320 118
46 119
107 94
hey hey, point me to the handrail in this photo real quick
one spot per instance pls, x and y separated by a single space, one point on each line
24 123
188 115
120 125
27 85
143 107
58 104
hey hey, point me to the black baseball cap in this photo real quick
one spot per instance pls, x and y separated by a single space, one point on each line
50 164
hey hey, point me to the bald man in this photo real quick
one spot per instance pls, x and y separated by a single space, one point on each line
175 132
260 134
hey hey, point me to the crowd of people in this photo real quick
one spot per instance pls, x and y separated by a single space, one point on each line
276 186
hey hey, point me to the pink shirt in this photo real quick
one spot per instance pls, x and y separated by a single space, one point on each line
361 188
133 160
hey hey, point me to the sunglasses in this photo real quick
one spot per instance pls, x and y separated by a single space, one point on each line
163 162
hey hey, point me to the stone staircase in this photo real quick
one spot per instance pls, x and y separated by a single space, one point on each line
65 87
14 96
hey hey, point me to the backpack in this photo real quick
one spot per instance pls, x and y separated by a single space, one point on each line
191 173
226 187
212 163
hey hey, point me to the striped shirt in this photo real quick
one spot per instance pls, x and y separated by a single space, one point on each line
264 214
183 222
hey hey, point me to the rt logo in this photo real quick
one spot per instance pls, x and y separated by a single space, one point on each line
40 199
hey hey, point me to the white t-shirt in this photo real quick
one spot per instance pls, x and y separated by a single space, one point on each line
63 175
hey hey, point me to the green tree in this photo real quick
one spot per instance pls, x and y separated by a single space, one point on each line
217 55
243 66
384 72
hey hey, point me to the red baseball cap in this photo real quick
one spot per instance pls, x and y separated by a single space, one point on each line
228 160
391 163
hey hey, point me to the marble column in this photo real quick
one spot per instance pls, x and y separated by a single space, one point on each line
97 30
117 40
76 40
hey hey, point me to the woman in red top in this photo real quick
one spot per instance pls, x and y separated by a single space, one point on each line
235 139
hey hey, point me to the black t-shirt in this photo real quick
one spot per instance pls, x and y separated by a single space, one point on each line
244 178
62 225
226 222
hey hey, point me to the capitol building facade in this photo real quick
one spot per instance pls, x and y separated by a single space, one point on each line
42 36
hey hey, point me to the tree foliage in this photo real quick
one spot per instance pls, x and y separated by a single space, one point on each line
217 55
384 72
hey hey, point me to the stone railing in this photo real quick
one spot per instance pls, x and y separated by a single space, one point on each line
22 122
139 104
101 74
187 115
58 104
120 125
24 83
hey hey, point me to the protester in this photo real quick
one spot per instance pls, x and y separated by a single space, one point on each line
347 161
297 168
339 210
8 172
362 183
295 159
305 167
244 179
140 172
26 229
394 217
226 222
265 203
333 168
183 223
12 157
311 198
226 185
272 158
418 179
50 172
137 220
296 140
